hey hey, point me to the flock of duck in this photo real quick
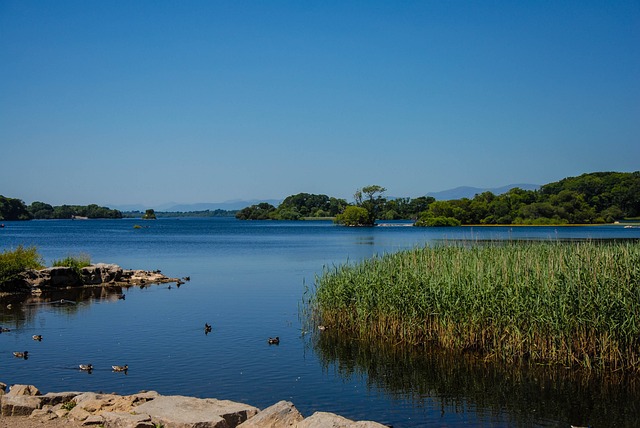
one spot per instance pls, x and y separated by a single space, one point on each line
84 367
270 341
89 367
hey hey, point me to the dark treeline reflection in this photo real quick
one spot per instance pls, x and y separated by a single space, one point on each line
526 396
18 309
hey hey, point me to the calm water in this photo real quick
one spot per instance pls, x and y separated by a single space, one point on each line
248 281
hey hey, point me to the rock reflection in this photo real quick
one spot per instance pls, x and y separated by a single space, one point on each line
18 310
525 395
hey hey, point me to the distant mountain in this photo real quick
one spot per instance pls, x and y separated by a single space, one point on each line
228 205
238 204
470 192
201 206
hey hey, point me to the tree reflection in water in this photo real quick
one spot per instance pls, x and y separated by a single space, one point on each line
526 395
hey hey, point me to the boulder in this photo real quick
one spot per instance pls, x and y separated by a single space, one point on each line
43 415
79 414
187 412
101 273
125 420
19 284
23 390
98 403
280 415
330 420
93 420
62 276
18 405
55 398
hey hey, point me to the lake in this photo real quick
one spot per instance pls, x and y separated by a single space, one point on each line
248 280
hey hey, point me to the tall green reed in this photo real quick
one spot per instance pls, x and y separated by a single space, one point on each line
548 302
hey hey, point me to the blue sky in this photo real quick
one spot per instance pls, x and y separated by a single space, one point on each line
149 102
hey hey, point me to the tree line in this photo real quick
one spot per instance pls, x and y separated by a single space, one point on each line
16 209
592 198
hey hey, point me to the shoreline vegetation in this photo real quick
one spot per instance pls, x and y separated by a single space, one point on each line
22 271
571 304
591 198
594 198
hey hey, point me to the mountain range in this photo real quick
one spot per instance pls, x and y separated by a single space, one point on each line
455 193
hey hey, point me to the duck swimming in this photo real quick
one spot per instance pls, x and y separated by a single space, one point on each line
37 337
24 354
207 328
120 368
86 367
274 340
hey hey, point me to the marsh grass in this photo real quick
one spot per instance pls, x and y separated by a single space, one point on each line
547 302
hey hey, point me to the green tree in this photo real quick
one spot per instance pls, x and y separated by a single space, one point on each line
261 211
295 207
13 209
40 210
426 220
370 198
149 214
353 216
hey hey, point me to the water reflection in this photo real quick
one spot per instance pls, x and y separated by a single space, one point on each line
525 396
20 310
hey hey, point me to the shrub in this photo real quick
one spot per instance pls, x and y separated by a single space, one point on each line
353 216
440 221
14 262
75 262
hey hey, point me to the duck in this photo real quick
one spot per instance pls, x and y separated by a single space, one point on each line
37 337
274 340
120 368
24 354
207 328
86 367
322 327
4 330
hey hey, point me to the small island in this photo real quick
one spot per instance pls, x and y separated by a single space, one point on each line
22 272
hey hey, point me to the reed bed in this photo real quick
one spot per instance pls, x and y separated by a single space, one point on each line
547 302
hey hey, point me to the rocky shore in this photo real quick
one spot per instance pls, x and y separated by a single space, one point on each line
24 406
96 275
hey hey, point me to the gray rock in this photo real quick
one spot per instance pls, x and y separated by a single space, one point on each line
126 420
18 405
62 276
101 273
55 398
187 412
330 420
280 415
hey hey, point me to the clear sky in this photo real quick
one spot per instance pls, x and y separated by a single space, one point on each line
149 102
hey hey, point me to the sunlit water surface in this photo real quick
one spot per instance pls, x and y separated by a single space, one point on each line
248 280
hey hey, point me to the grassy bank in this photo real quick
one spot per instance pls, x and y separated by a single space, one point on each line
550 302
